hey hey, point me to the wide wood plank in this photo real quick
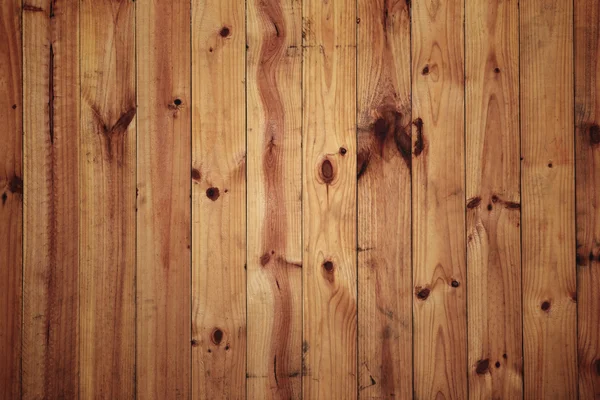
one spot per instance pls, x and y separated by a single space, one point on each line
274 199
438 201
51 227
11 199
384 200
587 158
218 199
493 200
163 203
329 200
548 228
107 199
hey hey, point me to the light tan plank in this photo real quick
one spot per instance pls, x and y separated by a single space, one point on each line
548 242
11 199
274 199
107 199
329 199
587 158
493 200
384 200
218 199
163 202
51 255
440 335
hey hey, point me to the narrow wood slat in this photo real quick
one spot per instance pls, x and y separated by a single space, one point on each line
438 201
274 199
329 200
107 199
587 179
548 234
218 199
51 221
493 200
11 198
384 200
164 188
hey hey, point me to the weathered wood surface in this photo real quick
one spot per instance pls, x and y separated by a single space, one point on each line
493 200
107 199
384 196
587 179
548 201
274 110
163 338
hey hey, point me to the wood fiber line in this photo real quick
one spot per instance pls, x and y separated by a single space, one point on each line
107 199
11 199
51 222
587 158
164 179
548 228
384 200
329 200
218 199
438 200
274 200
493 200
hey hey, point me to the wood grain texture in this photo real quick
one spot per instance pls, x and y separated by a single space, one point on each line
438 201
274 105
107 199
51 227
218 199
11 199
163 339
329 200
587 158
384 200
493 200
548 228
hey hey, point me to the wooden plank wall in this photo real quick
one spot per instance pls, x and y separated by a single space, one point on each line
271 199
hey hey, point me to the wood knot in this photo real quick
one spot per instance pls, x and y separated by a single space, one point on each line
217 336
422 293
455 284
482 366
212 193
545 306
328 268
327 171
594 131
225 31
15 185
196 175
343 151
473 202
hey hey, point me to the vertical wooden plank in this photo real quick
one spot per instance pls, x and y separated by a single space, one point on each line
587 158
219 199
51 221
384 193
274 199
164 189
11 199
440 336
548 234
107 199
493 200
329 199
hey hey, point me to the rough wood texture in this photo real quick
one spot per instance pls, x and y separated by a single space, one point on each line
218 199
587 156
274 199
51 257
11 199
384 193
548 228
163 203
107 199
493 200
329 200
438 201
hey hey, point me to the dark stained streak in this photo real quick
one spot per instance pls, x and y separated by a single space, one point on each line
29 7
51 93
420 142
